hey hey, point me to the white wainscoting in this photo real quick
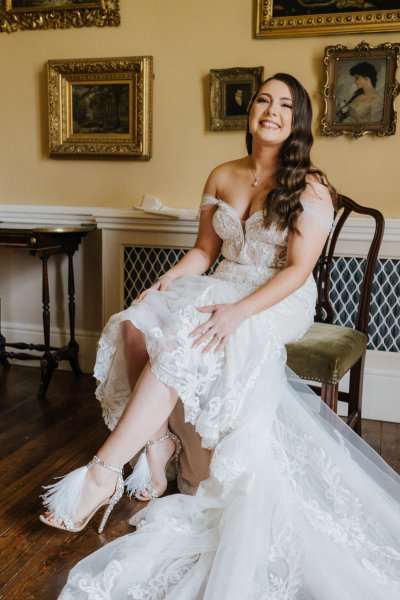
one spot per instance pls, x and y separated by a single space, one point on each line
121 228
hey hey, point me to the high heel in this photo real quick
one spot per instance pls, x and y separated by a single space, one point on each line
141 477
61 498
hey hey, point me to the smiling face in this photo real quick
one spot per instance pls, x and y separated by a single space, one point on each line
270 118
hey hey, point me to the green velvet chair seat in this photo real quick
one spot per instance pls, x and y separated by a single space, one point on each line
326 352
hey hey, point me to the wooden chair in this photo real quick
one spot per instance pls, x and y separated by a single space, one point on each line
327 352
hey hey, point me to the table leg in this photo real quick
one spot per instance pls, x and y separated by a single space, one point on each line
3 356
47 363
73 345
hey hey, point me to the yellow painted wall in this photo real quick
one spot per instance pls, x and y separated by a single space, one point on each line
186 39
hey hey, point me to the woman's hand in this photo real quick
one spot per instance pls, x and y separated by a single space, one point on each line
160 285
224 320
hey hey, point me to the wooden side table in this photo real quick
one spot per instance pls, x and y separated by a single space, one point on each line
46 241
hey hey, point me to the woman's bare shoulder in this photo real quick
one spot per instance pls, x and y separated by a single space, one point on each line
227 168
317 188
222 174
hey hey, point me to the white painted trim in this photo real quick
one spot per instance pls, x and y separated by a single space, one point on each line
381 398
381 391
356 232
40 214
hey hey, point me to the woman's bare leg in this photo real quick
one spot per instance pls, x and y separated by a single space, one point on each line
135 352
145 414
143 419
136 358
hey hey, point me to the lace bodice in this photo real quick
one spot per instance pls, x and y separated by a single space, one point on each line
249 242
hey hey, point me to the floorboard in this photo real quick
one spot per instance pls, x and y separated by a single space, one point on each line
39 439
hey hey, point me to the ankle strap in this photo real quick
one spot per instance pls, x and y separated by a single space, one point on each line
167 434
101 462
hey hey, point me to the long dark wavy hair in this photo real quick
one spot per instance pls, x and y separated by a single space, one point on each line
282 205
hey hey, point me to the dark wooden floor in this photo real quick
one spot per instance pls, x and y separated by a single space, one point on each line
41 439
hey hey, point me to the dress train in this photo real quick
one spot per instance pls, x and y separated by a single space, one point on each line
297 506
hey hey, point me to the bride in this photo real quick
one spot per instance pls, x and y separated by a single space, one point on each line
296 505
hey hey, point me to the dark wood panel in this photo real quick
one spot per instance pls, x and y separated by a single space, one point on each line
372 434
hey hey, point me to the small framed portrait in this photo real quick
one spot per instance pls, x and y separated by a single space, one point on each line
100 108
57 14
360 90
292 18
230 93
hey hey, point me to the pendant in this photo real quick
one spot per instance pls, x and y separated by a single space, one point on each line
255 182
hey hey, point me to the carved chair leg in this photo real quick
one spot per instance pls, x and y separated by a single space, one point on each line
329 394
358 427
355 393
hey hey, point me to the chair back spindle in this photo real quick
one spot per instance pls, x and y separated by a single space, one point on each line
323 268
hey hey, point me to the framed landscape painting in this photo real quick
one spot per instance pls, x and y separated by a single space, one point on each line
100 108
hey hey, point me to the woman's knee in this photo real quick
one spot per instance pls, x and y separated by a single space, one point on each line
132 336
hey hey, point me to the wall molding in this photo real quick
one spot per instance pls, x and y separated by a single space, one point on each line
356 232
381 391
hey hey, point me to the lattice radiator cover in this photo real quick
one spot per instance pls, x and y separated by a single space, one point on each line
142 266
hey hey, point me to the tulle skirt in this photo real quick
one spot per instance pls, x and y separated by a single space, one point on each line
297 506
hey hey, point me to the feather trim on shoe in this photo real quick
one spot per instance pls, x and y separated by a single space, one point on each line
140 478
62 497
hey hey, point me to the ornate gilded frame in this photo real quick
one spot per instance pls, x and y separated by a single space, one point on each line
100 107
292 18
376 116
224 83
16 15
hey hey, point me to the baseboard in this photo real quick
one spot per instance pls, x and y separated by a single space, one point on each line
381 399
32 334
381 395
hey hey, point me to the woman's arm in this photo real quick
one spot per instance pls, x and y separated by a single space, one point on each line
204 253
208 244
302 254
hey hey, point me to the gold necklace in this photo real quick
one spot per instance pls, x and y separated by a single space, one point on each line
256 180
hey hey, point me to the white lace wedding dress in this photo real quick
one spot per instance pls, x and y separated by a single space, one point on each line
296 507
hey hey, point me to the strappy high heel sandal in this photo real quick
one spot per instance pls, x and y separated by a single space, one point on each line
62 497
141 477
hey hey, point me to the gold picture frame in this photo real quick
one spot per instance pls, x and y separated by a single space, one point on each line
100 107
53 14
360 90
292 18
230 93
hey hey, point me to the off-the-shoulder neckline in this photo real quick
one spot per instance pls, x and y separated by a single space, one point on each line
219 201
